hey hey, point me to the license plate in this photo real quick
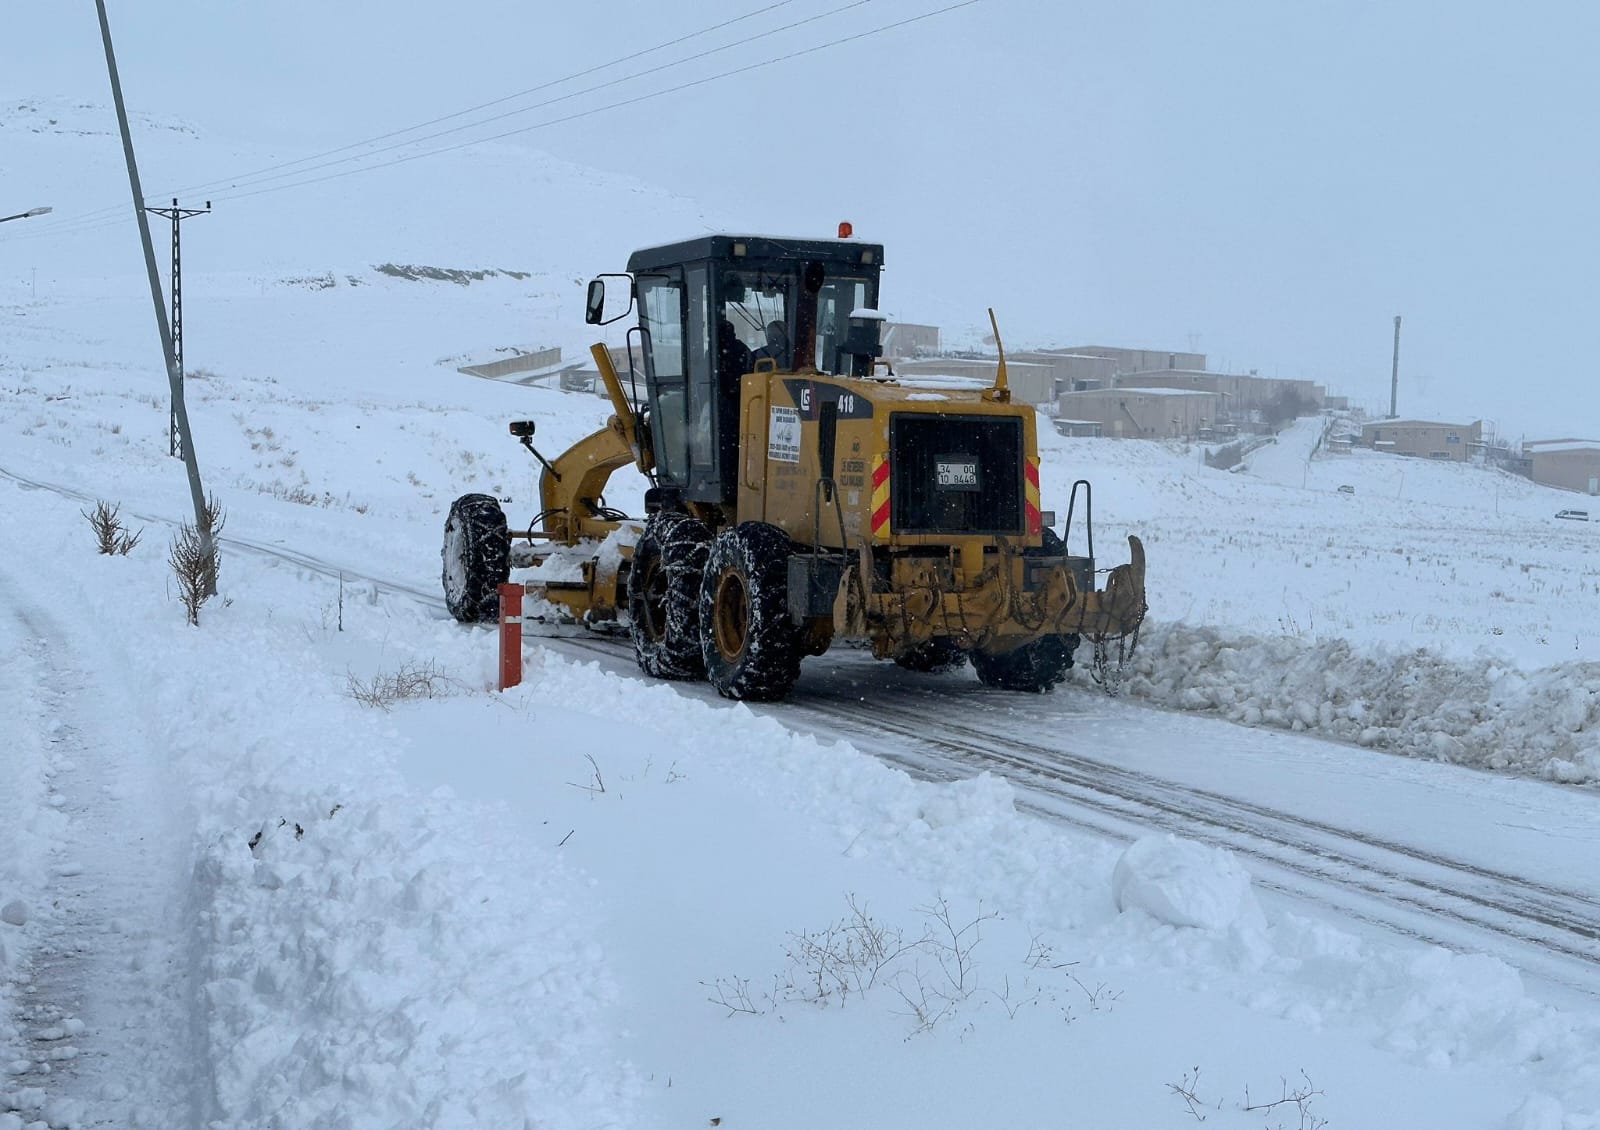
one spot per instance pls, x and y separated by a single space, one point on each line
956 474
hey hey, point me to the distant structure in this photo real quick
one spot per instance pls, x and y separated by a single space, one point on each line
1427 439
526 367
1030 383
906 340
1571 464
1040 376
1140 413
1394 373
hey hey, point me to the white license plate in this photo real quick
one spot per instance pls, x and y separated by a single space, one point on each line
957 474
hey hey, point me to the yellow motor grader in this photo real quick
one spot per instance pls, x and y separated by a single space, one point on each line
799 495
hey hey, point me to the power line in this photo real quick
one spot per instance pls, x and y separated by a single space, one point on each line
248 180
231 182
234 181
610 106
891 26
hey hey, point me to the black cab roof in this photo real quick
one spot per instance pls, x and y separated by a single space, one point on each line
764 248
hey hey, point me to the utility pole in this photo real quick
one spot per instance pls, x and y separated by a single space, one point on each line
177 215
1394 375
180 410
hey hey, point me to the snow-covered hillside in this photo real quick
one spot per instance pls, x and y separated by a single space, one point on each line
234 894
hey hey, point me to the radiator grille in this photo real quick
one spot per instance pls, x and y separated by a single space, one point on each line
956 474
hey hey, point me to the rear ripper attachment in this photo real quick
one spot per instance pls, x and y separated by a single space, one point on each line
799 494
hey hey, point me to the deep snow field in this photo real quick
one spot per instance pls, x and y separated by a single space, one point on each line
233 895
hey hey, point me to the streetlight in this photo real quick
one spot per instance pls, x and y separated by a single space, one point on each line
26 215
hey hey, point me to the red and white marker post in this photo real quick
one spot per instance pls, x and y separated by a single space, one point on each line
510 635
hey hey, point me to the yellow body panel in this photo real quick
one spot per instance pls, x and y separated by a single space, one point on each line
778 478
981 590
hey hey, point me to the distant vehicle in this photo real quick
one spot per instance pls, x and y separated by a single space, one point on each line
1346 488
1574 515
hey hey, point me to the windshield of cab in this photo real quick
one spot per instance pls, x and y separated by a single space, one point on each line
761 303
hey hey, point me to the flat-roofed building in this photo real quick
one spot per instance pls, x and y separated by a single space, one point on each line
1137 360
1247 395
1029 383
907 339
1427 439
1072 372
1572 464
1142 413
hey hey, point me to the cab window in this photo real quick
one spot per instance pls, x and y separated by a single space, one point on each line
662 316
837 300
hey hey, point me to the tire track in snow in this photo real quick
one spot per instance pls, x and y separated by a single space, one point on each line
102 1002
1446 894
1432 897
1548 930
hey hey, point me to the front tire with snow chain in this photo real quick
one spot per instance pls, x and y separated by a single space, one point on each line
751 646
477 558
1034 667
664 596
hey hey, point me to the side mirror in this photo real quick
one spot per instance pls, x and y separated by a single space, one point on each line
522 429
594 306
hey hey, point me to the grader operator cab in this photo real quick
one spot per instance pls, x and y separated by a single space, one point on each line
799 495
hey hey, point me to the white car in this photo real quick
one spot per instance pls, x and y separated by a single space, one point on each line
1574 515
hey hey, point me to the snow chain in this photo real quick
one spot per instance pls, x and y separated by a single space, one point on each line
1108 677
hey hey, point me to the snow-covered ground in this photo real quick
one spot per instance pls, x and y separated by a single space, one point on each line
234 894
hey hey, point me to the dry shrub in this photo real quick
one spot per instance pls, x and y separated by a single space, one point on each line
194 559
111 536
409 681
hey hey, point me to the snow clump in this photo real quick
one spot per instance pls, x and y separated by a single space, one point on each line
1183 883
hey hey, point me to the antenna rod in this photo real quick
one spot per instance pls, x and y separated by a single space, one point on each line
1002 389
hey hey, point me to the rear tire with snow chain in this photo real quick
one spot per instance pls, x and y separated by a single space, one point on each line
664 596
936 655
1034 667
477 558
751 646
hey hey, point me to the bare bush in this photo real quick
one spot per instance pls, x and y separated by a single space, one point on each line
1187 1091
213 518
194 559
111 536
597 783
1298 1101
410 681
843 958
933 972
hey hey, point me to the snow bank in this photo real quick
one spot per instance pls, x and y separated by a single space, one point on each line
1414 702
365 956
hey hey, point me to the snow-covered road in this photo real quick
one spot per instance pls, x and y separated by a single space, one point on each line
104 1007
1322 823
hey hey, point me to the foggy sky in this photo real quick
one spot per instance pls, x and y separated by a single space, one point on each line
1266 183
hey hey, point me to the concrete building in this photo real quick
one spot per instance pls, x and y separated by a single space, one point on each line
1072 372
1030 383
907 339
1142 413
1572 464
1137 360
1428 439
1245 396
